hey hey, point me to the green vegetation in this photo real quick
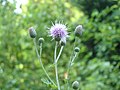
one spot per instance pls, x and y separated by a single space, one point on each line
97 66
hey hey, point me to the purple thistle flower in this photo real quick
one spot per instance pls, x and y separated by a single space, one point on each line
59 32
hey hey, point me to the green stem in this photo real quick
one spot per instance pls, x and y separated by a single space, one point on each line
69 65
73 59
56 71
39 58
55 52
61 49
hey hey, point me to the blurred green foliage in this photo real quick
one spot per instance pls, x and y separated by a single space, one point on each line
98 64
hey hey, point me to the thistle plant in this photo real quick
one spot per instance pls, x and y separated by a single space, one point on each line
59 34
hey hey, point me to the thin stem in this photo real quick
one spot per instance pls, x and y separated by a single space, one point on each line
55 52
72 54
56 71
69 65
61 49
73 59
39 58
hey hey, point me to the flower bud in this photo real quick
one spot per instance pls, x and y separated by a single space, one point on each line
77 49
41 40
62 42
75 85
78 30
32 32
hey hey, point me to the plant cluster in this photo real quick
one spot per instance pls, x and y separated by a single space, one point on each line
59 34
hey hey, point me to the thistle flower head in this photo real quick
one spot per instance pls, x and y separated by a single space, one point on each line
59 32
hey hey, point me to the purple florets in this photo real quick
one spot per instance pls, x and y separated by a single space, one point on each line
59 32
